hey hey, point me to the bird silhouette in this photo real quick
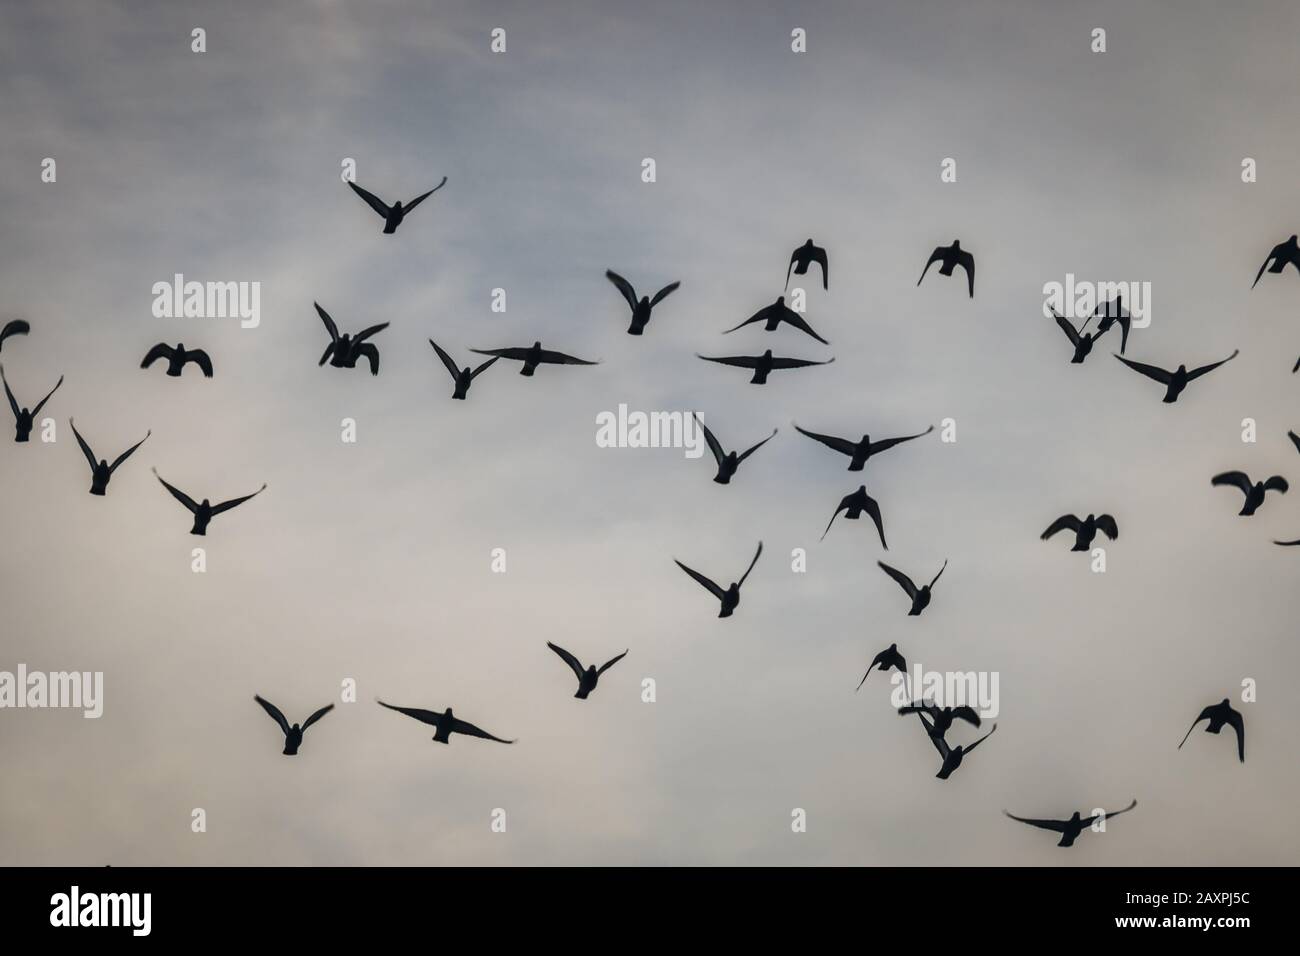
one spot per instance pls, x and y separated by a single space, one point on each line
446 722
730 598
13 327
101 471
862 450
25 418
642 307
1071 828
776 313
588 677
1288 544
886 659
177 357
728 461
920 596
533 357
951 756
204 511
853 505
762 365
1282 255
1220 715
344 351
942 718
292 734
805 256
1085 530
1254 492
463 377
1081 341
1112 313
1176 380
1295 439
951 257
394 214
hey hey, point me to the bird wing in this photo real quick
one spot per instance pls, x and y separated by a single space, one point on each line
792 317
1279 250
967 262
741 582
326 354
940 744
751 451
372 355
424 716
1235 721
935 256
1237 479
739 361
1057 826
446 359
1198 372
818 255
610 663
1150 371
373 201
41 404
940 574
759 316
274 711
1277 483
903 580
797 363
330 327
623 286
967 714
161 350
841 445
459 726
316 716
886 443
483 368
1060 524
714 446
1091 820
423 196
518 354
1106 523
176 493
14 327
560 358
872 507
575 665
664 293
366 333
982 739
1288 544
85 449
201 359
1206 714
1295 439
1067 327
1125 323
13 403
712 588
844 503
236 502
126 454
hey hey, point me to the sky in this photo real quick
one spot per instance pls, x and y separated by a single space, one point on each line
372 561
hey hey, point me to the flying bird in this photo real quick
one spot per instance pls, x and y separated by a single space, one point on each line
25 418
446 722
463 377
805 256
533 357
1085 530
1283 254
1081 341
344 351
853 505
177 357
204 511
101 471
728 461
942 718
762 365
920 596
394 214
587 676
859 451
292 734
1254 492
886 659
951 257
13 327
730 598
1177 380
1112 313
951 756
776 313
642 307
1220 715
1071 828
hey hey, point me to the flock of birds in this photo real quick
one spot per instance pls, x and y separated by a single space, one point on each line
345 350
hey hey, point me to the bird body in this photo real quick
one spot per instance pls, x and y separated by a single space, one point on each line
25 418
1085 530
762 365
1071 828
588 677
344 351
949 258
446 723
852 505
642 307
859 452
1222 715
773 315
1282 255
292 732
1176 380
463 377
889 657
177 358
204 511
729 598
920 596
1254 492
393 215
805 256
534 356
728 462
101 471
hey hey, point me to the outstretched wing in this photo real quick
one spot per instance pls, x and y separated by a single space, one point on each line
373 201
317 716
41 404
1206 714
872 507
424 716
176 493
751 565
1057 826
714 446
1237 479
797 363
794 318
575 665
14 327
126 454
711 587
1067 327
459 726
274 711
759 316
484 367
968 714
610 663
372 355
201 359
1150 371
560 358
940 574
1235 721
13 402
236 502
1295 439
936 738
739 361
664 293
818 255
1277 483
161 350
518 354
1060 524
1279 250
902 579
967 262
935 256
751 451
366 333
886 443
623 286
446 360
1107 525
330 327
841 445
1198 372
85 449
844 503
982 739
1093 819
423 196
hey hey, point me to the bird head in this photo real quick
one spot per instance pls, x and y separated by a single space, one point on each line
205 503
1182 369
809 243
1225 703
956 243
780 300
537 345
296 729
180 346
466 371
103 464
1074 817
1091 518
645 300
767 354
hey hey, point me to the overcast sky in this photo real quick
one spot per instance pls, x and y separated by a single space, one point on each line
372 561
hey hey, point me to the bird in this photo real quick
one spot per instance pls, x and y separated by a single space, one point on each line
805 256
533 357
951 756
1282 255
1220 715
394 214
1112 313
588 677
862 450
730 598
1071 828
942 718
1254 492
101 471
1177 380
951 257
25 418
729 461
762 365
853 505
177 357
920 596
1085 530
886 659
344 351
774 315
446 722
292 734
204 511
463 377
642 307
1081 341
14 327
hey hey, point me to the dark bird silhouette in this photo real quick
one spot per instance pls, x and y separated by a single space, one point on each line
394 214
292 734
1085 530
1296 367
587 676
951 257
1177 380
642 307
942 718
1282 255
1288 544
805 256
344 351
1295 439
1254 492
13 327
1081 341
853 505
730 598
728 461
177 357
951 756
1071 828
762 365
463 377
776 313
859 451
533 357
25 418
920 596
101 471
446 722
204 511
1112 313
886 659
1220 715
